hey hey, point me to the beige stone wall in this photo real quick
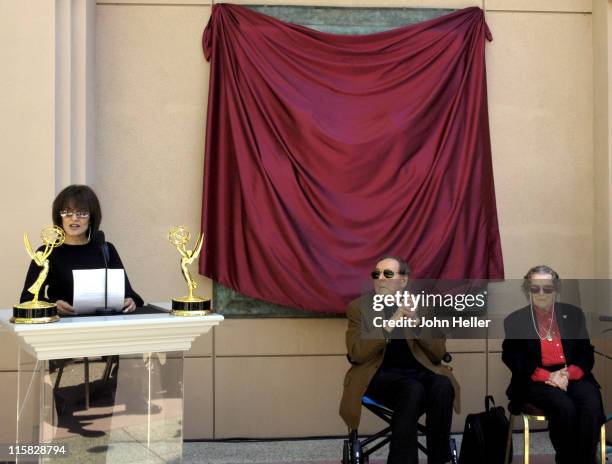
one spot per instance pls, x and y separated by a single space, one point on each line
152 87
602 49
27 164
541 113
27 170
549 102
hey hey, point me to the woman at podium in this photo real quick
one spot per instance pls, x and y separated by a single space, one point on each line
76 209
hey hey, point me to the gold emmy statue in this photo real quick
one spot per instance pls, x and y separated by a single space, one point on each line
36 311
189 305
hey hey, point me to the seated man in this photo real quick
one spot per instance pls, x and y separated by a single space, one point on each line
547 348
401 370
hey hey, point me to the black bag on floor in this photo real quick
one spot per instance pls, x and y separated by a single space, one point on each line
484 436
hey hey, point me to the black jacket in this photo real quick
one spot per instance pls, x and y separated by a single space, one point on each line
522 351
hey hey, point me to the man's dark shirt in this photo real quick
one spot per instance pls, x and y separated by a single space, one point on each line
398 354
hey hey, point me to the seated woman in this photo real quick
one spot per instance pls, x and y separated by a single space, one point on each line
548 350
77 211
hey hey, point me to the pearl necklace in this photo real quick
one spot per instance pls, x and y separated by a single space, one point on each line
548 336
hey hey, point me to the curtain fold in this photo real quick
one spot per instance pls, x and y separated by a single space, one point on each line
324 152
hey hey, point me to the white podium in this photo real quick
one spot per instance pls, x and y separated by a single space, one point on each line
103 388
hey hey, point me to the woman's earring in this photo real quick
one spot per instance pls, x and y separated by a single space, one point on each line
89 234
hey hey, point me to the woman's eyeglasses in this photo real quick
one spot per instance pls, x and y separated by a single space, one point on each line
76 214
388 273
548 289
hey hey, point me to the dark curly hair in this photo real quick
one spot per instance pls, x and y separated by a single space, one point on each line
78 197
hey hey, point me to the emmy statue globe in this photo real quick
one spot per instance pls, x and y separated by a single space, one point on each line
189 305
37 311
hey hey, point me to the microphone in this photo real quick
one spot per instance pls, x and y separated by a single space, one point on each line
100 241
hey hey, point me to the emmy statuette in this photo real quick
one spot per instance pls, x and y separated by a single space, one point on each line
38 311
188 305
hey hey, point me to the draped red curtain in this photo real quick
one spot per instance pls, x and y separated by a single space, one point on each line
324 152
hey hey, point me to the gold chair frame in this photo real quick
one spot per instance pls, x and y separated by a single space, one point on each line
526 419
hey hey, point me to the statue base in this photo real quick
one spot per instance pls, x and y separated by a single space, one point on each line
31 312
191 306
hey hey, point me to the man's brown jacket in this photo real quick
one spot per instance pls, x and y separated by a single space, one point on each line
366 346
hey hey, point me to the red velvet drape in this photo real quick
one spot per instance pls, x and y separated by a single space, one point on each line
325 151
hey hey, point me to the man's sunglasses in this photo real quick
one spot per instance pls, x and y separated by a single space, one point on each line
388 273
548 289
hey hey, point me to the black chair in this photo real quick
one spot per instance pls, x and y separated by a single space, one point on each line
111 361
355 451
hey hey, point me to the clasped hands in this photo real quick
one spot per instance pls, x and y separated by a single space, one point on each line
559 379
400 313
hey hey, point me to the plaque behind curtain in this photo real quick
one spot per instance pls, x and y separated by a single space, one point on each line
325 151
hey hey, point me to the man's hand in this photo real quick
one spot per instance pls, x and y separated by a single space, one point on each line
64 308
400 313
559 379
